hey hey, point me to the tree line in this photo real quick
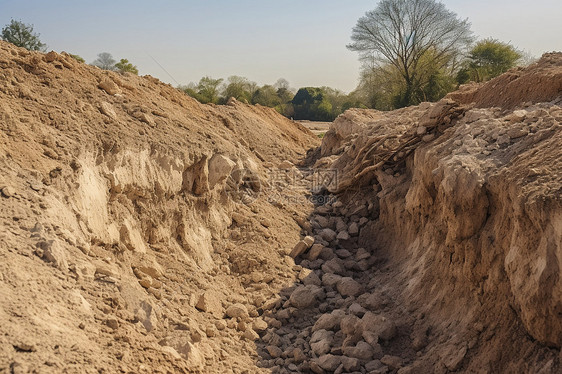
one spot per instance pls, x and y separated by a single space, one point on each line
306 103
411 51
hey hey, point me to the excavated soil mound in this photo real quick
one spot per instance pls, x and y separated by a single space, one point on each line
132 220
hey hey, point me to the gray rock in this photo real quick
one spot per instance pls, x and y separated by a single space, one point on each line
312 279
340 225
362 351
329 362
350 324
360 210
516 132
321 342
306 296
374 302
314 367
327 254
330 280
380 325
328 235
329 321
503 140
343 235
322 221
362 254
357 309
348 287
343 253
428 137
353 229
274 351
333 266
351 364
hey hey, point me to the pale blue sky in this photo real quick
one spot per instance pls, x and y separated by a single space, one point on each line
302 41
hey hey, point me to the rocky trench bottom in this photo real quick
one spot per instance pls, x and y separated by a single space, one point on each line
341 315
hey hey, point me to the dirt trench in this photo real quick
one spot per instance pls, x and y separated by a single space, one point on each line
145 232
438 247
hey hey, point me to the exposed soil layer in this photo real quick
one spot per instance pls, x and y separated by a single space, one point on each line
132 219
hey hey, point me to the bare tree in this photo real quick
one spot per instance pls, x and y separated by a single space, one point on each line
105 61
412 36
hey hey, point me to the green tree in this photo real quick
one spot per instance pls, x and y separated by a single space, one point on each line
266 96
239 88
206 91
22 35
105 61
401 34
311 103
488 59
285 94
125 66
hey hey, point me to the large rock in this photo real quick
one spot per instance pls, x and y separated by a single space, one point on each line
315 251
109 86
350 325
306 296
302 246
107 109
330 280
333 266
329 321
351 364
343 235
378 324
321 342
329 362
8 191
353 229
237 311
220 168
348 287
362 351
328 235
209 302
323 222
52 251
309 278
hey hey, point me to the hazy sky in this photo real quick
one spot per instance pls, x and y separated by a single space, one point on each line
303 41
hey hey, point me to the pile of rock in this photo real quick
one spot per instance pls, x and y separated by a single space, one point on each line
333 319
